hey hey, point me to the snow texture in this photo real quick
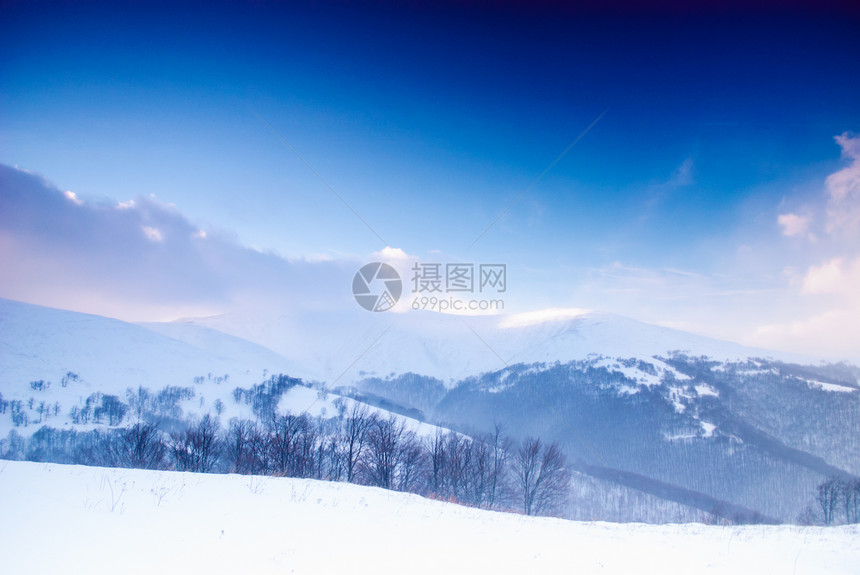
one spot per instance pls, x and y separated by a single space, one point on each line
74 519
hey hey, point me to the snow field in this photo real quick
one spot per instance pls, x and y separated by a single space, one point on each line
74 519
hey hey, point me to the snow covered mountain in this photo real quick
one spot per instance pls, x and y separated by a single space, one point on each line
642 411
351 346
110 355
54 361
681 417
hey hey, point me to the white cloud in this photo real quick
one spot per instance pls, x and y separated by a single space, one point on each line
144 260
659 193
843 190
152 234
73 197
683 175
388 254
827 295
541 316
831 334
835 276
793 224
636 284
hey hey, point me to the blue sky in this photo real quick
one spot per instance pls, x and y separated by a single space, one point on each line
717 139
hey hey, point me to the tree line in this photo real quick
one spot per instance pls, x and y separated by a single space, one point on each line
839 500
360 446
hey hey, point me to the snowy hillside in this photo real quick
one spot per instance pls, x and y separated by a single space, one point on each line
54 361
453 347
110 355
635 407
97 520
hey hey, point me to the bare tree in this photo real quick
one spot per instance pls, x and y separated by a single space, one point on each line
282 433
541 478
245 448
828 496
388 458
458 458
141 446
140 402
412 461
480 473
526 471
501 449
198 447
850 498
436 463
806 516
356 428
334 458
466 470
292 445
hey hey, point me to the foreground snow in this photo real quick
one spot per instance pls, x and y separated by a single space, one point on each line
75 519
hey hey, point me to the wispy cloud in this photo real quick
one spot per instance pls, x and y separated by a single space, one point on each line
143 259
793 224
73 197
661 192
683 175
836 276
796 290
826 316
843 191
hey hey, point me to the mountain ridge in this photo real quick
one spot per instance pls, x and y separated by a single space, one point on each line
674 410
450 347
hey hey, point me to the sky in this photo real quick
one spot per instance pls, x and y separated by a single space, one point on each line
698 168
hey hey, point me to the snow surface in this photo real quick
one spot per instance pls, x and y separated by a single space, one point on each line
704 389
834 387
74 519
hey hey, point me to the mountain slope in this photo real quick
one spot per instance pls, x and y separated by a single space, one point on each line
110 355
673 415
56 363
353 346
